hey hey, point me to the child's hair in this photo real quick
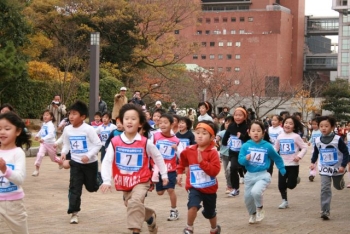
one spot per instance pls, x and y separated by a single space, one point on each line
81 107
23 138
227 119
9 106
298 127
279 117
315 120
176 117
51 114
211 125
330 119
262 126
169 117
109 115
187 121
207 106
131 106
146 129
285 113
159 110
98 113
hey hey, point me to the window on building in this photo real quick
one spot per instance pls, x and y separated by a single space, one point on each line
220 56
229 56
216 20
233 31
229 43
238 56
199 32
250 19
272 84
204 44
211 56
221 43
217 32
344 71
228 69
345 44
195 56
238 44
344 57
207 32
220 69
224 31
211 69
207 20
203 56
241 19
177 31
233 19
237 69
224 19
241 31
212 44
346 30
199 20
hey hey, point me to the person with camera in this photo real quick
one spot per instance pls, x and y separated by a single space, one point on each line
136 99
59 111
120 99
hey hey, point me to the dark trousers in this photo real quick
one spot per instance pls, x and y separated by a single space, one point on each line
289 180
81 174
103 152
270 170
235 166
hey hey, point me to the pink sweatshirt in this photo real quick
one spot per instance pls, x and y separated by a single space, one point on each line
290 145
11 181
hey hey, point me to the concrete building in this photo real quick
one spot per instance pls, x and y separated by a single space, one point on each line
237 36
319 44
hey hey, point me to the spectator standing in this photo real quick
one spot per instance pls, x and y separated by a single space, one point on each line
158 105
59 111
102 105
119 100
224 112
251 114
136 99
191 115
172 109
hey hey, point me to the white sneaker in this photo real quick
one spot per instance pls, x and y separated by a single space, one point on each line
233 193
35 173
260 214
283 205
241 180
174 215
74 218
252 219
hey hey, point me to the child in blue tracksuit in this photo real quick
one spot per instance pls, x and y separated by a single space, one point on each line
256 155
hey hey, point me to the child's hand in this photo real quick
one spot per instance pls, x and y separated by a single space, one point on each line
238 134
341 169
63 157
36 138
55 145
199 157
174 146
3 166
41 141
85 159
296 159
248 156
105 188
165 181
308 143
179 180
312 166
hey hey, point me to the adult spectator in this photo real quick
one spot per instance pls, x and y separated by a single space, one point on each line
136 99
158 105
119 100
251 114
59 111
102 105
172 109
191 115
224 113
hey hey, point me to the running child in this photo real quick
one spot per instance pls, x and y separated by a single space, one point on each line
175 126
256 155
127 157
13 171
274 131
83 143
292 149
97 120
104 131
203 163
185 134
205 109
314 134
333 157
115 132
47 137
156 116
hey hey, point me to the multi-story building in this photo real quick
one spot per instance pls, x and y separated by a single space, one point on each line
239 35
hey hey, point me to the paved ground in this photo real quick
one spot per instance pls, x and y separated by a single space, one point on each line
46 202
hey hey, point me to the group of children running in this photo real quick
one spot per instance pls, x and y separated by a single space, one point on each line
136 157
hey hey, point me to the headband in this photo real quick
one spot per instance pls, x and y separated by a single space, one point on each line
206 127
243 110
206 105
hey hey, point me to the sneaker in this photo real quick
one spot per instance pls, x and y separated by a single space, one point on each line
174 215
218 230
325 215
260 214
241 180
187 231
283 205
348 186
311 178
298 180
153 228
228 190
252 219
74 218
35 173
233 193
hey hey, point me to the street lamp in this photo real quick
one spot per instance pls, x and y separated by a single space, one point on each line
94 73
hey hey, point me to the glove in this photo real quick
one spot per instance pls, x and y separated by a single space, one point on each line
283 171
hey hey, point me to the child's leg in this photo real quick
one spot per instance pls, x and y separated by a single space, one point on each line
282 184
209 210
193 205
225 162
75 187
15 216
326 193
263 180
191 215
248 198
65 163
173 198
234 170
338 182
293 177
90 171
52 153
40 155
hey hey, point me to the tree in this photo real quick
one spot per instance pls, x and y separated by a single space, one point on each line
337 99
305 103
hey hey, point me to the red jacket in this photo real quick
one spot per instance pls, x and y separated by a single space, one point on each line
195 178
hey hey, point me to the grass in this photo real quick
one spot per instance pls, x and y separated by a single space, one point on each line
34 142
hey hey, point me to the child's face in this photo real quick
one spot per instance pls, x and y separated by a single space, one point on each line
288 125
238 116
8 134
148 116
226 124
275 122
202 110
156 117
75 118
216 120
47 117
97 118
203 137
119 125
256 133
131 122
314 125
325 127
165 125
106 120
182 126
176 122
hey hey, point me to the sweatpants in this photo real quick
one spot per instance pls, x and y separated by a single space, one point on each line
44 149
326 189
225 163
289 180
15 216
81 174
255 183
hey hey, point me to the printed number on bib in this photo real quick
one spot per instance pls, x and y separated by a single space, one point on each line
78 144
166 149
129 159
199 179
184 143
235 143
329 156
287 146
5 185
104 136
257 157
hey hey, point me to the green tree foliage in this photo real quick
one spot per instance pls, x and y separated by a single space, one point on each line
337 99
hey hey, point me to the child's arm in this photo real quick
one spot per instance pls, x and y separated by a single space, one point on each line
96 144
158 160
66 145
277 159
50 132
227 135
106 169
212 166
344 149
314 157
16 176
303 148
183 163
242 157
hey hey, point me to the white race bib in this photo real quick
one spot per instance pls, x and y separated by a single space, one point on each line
257 156
129 159
5 185
235 143
199 179
184 142
166 149
329 156
78 144
287 146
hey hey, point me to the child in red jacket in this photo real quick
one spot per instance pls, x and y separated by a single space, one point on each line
203 164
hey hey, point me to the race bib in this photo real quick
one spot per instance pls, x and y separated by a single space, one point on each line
128 159
199 179
329 156
257 156
287 146
44 131
235 143
166 149
5 185
78 144
184 142
104 135
273 137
